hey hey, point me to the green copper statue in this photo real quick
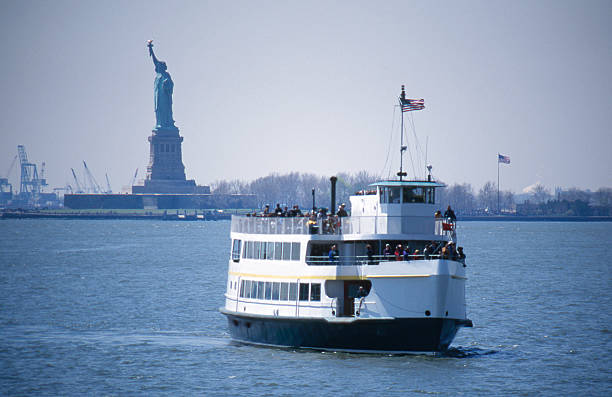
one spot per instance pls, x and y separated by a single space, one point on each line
163 93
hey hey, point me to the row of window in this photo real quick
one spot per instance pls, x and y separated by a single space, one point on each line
165 147
280 291
266 250
406 194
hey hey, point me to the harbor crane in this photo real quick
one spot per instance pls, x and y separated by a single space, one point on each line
92 181
76 182
134 178
8 174
31 184
5 186
108 186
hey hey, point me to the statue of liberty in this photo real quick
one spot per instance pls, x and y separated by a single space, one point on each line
163 93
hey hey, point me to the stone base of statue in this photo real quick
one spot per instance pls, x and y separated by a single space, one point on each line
166 172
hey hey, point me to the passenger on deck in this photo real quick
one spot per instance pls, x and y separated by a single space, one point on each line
427 251
387 252
417 255
322 214
285 211
278 211
461 255
370 254
342 211
399 253
266 211
438 214
406 253
450 214
295 211
434 248
451 252
333 253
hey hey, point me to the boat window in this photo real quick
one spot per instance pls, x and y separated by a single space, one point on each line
256 246
286 251
236 250
430 195
268 290
249 249
304 292
292 291
394 195
284 291
253 289
247 289
278 251
245 249
275 290
260 290
270 251
413 195
242 288
262 253
295 251
315 292
389 195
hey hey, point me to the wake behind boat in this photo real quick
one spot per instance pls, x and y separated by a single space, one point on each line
350 283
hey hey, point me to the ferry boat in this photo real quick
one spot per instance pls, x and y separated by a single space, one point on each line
330 282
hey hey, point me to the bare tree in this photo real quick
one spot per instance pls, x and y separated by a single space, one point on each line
540 193
487 197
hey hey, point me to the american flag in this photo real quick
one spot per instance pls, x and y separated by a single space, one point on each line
412 104
503 159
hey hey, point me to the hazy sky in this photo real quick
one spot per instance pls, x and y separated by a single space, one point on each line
280 86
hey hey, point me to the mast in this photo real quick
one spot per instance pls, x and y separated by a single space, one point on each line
403 148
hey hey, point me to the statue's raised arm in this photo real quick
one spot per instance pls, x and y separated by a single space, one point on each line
163 93
151 53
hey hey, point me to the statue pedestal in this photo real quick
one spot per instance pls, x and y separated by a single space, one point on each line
165 155
166 172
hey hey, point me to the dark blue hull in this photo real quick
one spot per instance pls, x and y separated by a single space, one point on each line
360 335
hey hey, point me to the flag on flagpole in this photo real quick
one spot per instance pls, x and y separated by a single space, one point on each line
503 159
409 105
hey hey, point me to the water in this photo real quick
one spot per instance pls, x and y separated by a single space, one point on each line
130 307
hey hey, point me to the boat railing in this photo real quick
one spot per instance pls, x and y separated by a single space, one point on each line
362 260
333 225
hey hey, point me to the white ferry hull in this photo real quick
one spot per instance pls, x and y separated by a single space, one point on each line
352 335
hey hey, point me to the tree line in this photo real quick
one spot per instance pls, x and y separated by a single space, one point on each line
296 188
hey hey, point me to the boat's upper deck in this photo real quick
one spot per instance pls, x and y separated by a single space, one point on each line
388 207
334 225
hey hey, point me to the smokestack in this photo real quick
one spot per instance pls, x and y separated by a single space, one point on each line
333 180
314 207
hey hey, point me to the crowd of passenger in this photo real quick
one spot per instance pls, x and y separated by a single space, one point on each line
278 211
432 250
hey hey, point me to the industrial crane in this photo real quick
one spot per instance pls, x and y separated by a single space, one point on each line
134 178
108 186
76 182
92 181
8 174
31 184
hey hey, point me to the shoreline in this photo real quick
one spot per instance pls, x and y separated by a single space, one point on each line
213 215
114 215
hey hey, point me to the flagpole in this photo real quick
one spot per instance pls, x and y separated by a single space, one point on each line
401 172
498 209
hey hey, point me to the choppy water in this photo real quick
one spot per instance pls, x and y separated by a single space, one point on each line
130 307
